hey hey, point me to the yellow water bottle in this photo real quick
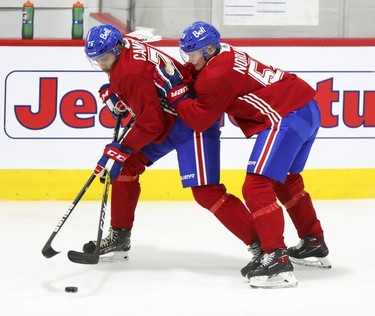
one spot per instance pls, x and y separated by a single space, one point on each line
77 24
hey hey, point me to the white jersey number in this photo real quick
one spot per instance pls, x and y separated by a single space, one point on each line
267 76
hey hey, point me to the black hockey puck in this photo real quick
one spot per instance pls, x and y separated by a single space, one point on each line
71 289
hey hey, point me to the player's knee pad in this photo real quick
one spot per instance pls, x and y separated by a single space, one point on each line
126 178
291 191
133 167
258 192
211 197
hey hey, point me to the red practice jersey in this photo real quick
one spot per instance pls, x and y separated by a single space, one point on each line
256 95
131 79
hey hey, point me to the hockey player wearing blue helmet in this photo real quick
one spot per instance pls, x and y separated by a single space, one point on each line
278 107
137 78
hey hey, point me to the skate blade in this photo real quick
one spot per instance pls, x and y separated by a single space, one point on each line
114 256
313 262
282 280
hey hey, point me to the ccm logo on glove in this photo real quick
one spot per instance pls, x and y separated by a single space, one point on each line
115 154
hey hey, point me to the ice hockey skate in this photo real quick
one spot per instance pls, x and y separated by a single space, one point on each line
257 253
275 271
310 251
114 247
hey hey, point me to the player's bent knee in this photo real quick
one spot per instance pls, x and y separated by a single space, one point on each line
258 192
211 197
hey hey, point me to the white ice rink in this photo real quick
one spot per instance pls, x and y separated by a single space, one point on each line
182 263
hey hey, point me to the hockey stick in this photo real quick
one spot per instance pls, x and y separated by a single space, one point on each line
47 250
93 258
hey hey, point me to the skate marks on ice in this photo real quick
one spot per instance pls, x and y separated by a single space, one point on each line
182 262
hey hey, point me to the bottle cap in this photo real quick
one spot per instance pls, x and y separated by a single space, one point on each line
28 4
78 5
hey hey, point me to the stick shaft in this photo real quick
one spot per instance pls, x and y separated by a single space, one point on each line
93 258
47 250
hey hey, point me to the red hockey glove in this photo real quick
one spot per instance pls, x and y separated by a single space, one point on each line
169 84
111 100
113 159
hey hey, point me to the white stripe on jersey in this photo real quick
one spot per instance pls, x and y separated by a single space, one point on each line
262 106
275 119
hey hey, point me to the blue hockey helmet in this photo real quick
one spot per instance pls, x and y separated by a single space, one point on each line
198 36
101 40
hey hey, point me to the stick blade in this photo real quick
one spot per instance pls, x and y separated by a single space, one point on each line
83 258
49 252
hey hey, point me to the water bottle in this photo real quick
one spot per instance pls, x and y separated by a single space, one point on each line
77 25
28 20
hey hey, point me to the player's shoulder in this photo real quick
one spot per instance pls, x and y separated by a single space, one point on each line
223 61
225 48
226 54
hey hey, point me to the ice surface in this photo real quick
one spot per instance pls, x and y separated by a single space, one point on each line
182 262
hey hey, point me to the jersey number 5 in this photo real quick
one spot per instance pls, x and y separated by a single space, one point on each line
266 75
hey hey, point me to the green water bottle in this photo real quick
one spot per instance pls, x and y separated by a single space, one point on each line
28 20
77 24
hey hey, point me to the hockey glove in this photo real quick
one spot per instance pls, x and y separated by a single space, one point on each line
113 159
170 86
108 97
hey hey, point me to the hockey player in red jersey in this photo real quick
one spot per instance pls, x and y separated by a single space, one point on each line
278 107
133 70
